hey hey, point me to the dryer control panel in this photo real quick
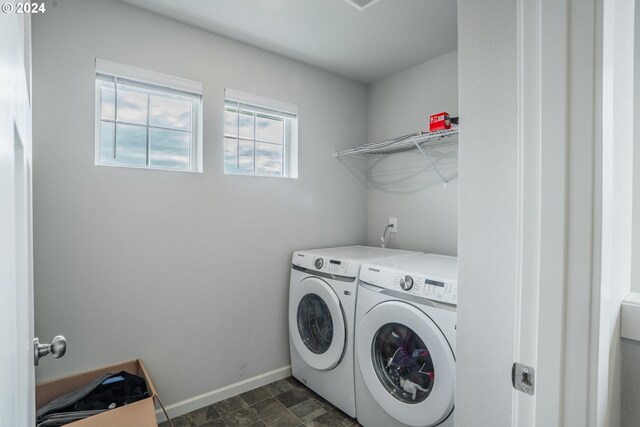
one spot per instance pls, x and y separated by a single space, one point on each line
336 267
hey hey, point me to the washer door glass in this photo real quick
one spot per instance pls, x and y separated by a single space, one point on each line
406 362
403 363
315 324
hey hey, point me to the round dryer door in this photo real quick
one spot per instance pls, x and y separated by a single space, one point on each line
316 323
406 363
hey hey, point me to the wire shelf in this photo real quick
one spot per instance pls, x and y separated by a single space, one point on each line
431 145
419 140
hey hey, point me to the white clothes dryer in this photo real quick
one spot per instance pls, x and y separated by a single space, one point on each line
322 306
405 342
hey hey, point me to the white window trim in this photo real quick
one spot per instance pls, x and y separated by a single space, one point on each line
147 76
281 107
191 88
271 106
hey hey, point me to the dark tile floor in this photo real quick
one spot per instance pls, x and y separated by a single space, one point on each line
284 403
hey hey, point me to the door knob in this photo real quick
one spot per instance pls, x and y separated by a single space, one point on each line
57 348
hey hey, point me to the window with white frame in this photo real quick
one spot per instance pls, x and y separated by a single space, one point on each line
146 119
260 136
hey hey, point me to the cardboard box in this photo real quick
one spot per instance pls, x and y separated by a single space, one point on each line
138 414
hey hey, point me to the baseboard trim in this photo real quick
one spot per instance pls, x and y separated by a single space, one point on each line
210 397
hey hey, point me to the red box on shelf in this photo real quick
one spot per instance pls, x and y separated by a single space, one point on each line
439 121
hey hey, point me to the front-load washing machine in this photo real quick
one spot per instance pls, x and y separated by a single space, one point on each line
322 305
405 342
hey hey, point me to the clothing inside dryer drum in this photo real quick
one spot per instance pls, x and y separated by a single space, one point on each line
403 363
315 324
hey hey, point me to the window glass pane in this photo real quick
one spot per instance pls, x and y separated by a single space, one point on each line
246 125
132 106
131 145
149 124
170 112
257 138
269 159
107 108
245 156
269 129
231 123
230 155
169 149
106 142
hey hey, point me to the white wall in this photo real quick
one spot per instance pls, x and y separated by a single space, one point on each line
426 211
186 271
487 243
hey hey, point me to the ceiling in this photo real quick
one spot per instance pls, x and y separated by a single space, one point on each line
388 37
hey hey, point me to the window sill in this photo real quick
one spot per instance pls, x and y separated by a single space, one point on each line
260 176
630 317
147 168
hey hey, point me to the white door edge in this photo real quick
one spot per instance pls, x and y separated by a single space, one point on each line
17 395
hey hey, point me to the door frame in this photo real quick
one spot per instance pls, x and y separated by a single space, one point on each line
543 192
567 301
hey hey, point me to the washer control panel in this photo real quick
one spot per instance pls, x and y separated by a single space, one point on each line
434 285
406 282
435 278
425 287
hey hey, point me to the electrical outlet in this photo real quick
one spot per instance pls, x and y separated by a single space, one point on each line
394 222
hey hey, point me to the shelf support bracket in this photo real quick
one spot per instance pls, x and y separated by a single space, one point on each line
432 163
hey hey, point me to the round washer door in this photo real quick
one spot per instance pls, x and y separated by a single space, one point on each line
316 323
406 363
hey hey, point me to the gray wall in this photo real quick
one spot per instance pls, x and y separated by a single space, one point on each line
487 55
427 212
630 383
186 271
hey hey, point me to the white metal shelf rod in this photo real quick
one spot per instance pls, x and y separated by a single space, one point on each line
433 165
